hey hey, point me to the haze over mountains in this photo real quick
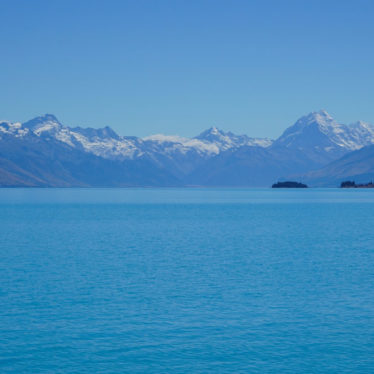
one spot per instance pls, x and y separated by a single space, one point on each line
316 149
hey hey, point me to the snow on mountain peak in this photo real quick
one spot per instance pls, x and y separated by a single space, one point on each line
211 133
226 140
15 129
165 138
214 130
311 133
174 143
320 118
319 129
44 124
322 114
91 133
362 125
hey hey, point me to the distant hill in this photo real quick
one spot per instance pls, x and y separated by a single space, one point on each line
357 166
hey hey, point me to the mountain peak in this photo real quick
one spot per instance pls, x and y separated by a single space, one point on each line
46 123
211 133
214 130
322 113
44 118
320 117
91 133
49 117
320 120
319 131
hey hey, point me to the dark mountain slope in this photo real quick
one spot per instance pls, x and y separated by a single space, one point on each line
357 166
250 166
35 161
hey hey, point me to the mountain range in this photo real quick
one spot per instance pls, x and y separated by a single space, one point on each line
316 149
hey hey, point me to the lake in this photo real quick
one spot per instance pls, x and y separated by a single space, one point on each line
186 281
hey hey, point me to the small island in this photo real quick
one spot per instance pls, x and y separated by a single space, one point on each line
289 184
352 184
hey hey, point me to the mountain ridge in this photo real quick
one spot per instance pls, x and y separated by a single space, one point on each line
212 158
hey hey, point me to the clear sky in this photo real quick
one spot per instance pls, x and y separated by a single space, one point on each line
179 67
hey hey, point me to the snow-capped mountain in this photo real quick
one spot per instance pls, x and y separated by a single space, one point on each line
179 155
105 142
321 137
226 140
183 155
317 134
45 152
12 129
102 142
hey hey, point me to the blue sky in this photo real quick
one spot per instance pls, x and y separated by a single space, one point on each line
179 67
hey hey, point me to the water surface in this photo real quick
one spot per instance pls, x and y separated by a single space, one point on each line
186 281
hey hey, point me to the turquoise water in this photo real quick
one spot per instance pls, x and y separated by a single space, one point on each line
186 281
